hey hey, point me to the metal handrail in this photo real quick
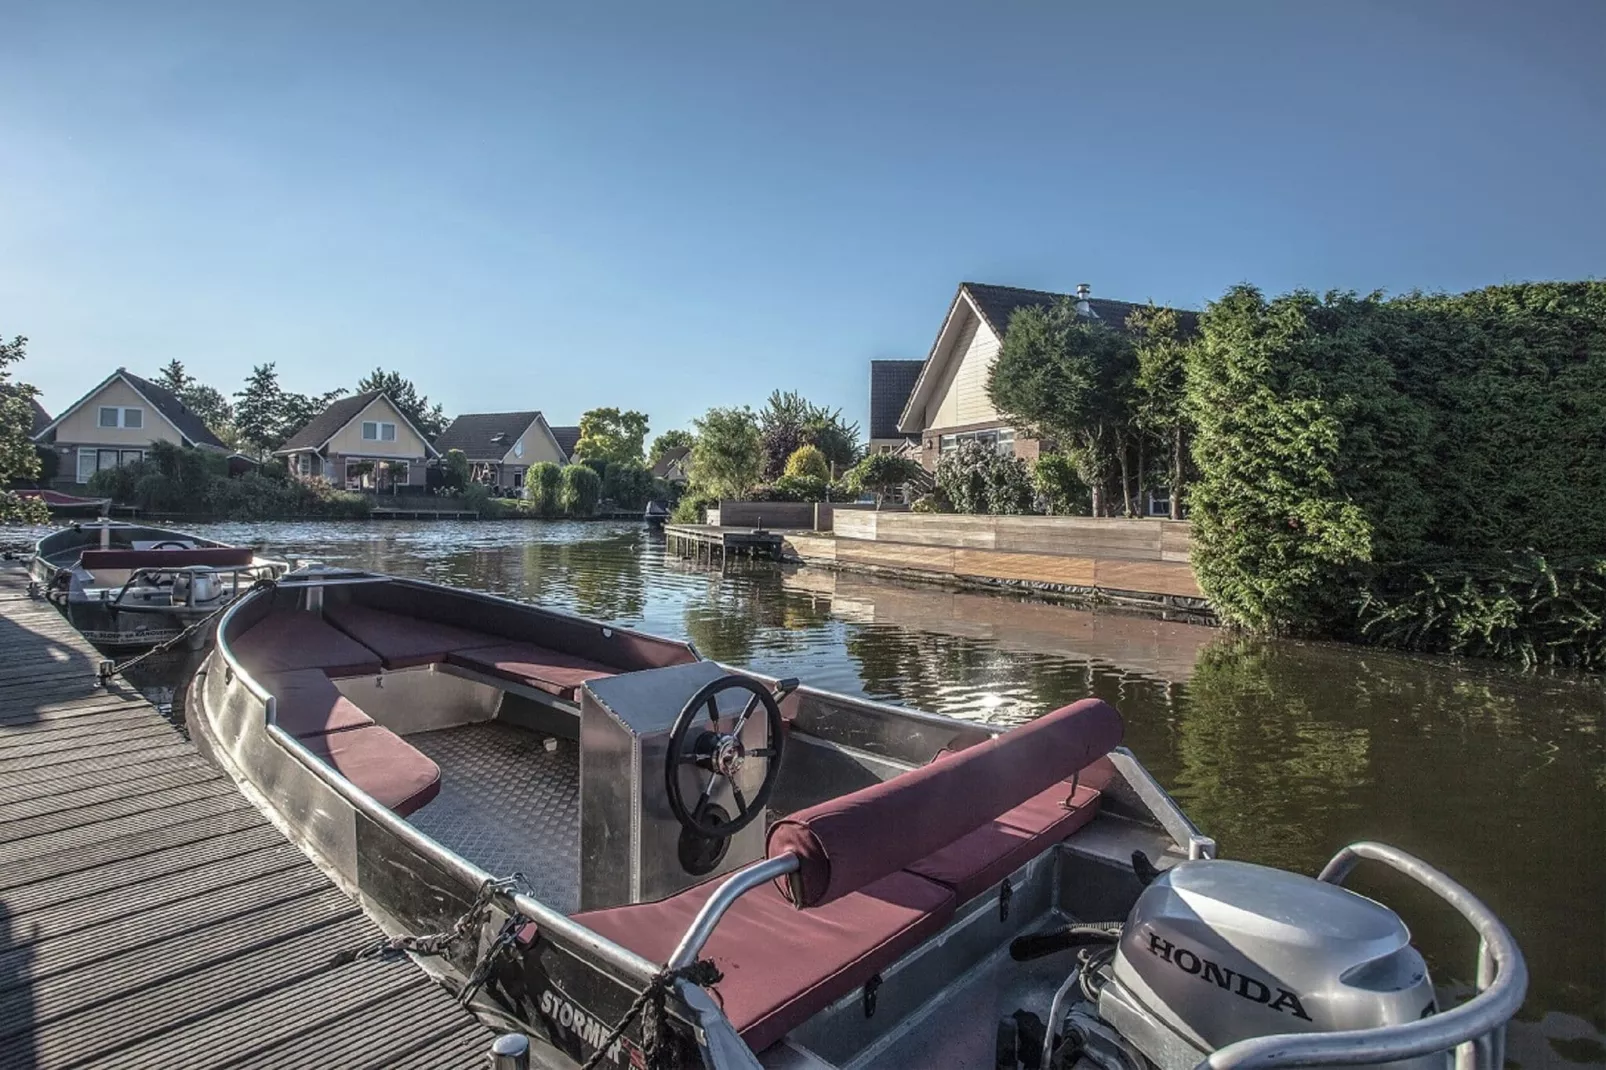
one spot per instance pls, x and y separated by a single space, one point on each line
232 571
1476 1028
736 885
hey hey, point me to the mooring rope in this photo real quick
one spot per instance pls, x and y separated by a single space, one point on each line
108 669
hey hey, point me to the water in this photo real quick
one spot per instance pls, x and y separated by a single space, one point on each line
1282 751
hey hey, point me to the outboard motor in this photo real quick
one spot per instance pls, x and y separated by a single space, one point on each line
205 586
1215 952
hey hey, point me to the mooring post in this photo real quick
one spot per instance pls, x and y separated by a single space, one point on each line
510 1051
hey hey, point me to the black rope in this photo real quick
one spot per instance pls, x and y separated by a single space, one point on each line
650 1005
108 669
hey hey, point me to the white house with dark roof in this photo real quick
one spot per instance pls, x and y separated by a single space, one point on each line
362 442
115 423
501 446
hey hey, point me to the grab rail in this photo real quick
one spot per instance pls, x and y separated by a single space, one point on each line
1476 1029
737 885
191 571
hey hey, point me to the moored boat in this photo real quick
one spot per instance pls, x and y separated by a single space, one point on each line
126 585
725 869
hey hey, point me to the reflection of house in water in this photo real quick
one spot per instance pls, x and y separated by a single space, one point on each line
1144 645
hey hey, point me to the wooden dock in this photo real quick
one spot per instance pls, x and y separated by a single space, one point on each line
423 514
150 916
707 540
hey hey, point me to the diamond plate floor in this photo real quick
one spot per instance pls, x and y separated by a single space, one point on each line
508 805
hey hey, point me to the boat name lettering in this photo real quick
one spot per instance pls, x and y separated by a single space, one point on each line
590 1030
1240 984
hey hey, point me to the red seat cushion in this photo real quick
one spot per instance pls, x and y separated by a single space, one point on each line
307 703
289 639
546 670
176 557
782 966
403 641
381 763
978 861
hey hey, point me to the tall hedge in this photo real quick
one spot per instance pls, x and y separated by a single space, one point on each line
1345 441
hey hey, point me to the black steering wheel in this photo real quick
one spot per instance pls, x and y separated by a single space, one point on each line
721 754
170 544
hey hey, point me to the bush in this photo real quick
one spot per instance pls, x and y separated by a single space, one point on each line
627 484
979 479
454 470
809 463
802 488
1060 486
580 490
881 474
115 483
693 506
542 484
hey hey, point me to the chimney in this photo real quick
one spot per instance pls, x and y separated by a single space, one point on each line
1082 307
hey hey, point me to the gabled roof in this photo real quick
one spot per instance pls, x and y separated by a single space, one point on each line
566 437
677 453
166 403
328 423
486 436
891 382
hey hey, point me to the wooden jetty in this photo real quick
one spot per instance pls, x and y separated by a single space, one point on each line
423 514
707 540
150 916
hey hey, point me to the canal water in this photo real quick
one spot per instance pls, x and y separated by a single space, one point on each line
1282 751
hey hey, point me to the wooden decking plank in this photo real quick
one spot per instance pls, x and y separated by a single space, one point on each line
107 740
86 817
40 853
73 782
109 719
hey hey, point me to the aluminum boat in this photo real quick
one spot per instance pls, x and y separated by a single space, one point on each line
129 585
637 857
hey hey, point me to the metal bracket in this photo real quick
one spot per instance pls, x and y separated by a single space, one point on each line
870 988
1005 894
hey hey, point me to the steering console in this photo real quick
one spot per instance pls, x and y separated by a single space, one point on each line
721 754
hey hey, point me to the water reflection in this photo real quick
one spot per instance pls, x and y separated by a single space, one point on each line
1283 751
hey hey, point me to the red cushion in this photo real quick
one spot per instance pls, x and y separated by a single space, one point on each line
403 641
546 670
381 763
978 861
178 557
289 639
782 966
850 841
307 703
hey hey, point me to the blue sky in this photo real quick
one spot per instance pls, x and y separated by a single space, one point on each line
672 206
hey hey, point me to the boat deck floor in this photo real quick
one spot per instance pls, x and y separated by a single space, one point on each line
150 916
508 804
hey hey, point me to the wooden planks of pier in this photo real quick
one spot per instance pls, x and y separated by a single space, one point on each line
699 540
150 916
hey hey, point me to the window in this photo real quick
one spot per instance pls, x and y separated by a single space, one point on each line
303 464
518 480
1001 439
113 416
91 461
86 465
947 442
378 431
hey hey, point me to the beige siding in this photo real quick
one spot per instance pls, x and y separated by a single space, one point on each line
83 425
348 441
961 395
538 447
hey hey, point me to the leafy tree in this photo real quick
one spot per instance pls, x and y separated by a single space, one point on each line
809 462
978 479
610 435
669 440
542 484
19 461
1070 380
298 410
204 401
395 474
1161 389
259 410
1057 482
882 473
728 457
581 489
429 419
789 421
627 484
454 470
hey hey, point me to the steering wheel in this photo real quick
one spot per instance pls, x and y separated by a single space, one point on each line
170 544
722 754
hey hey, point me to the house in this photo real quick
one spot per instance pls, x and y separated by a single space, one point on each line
363 442
115 423
568 438
891 383
501 446
674 466
948 403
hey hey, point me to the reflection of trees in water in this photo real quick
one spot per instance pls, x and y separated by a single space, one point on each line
744 610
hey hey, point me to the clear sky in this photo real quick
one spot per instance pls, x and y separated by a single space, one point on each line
668 206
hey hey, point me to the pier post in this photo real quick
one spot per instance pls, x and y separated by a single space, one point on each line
510 1051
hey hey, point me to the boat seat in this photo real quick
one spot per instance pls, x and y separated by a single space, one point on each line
307 703
782 966
402 641
286 640
546 670
381 763
978 861
178 557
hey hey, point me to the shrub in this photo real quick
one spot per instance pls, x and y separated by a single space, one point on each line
454 470
803 488
1060 485
627 484
693 506
580 490
115 483
979 479
808 462
881 474
542 485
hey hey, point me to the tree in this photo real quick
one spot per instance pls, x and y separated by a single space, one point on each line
174 377
669 440
298 410
610 435
204 401
429 419
454 470
728 458
395 474
882 473
542 484
789 421
19 461
809 462
581 489
1161 386
1057 482
1070 379
627 484
259 408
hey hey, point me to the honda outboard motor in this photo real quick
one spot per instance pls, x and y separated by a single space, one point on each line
1215 952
